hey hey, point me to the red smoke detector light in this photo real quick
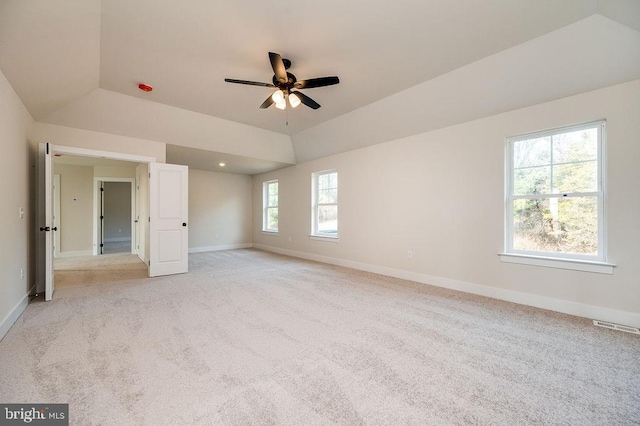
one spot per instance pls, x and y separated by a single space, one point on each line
145 87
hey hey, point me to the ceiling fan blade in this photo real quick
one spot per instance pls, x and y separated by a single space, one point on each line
251 83
316 82
267 102
307 100
278 67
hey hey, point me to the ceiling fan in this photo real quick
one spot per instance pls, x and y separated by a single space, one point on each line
285 82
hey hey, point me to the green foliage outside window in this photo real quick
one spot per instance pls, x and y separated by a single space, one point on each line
555 193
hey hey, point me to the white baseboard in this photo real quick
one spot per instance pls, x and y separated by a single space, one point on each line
564 306
14 314
222 247
81 253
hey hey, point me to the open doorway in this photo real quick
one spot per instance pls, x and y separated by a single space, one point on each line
95 222
115 216
165 230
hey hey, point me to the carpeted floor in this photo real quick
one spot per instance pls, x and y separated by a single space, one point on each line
97 270
116 247
248 337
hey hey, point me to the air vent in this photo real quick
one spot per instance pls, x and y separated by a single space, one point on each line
618 327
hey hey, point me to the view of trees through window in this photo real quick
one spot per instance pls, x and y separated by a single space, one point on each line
271 206
555 192
327 203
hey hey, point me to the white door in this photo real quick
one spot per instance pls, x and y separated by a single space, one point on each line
168 213
56 215
48 227
136 218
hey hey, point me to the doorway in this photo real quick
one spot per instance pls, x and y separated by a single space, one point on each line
165 233
115 216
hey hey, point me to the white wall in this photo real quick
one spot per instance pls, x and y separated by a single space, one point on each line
219 210
79 138
441 195
115 171
115 113
17 174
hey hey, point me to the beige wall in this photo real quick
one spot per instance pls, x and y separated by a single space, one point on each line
441 195
76 209
117 211
17 173
79 138
116 172
219 210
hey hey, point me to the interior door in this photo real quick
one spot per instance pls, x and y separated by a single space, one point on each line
101 246
56 215
48 227
168 215
136 217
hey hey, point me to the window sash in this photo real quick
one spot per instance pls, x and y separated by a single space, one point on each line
328 192
268 206
598 195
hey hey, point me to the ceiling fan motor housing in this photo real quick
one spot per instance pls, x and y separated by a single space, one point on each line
291 79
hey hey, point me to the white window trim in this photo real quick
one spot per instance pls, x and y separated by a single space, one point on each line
315 235
326 238
265 207
559 263
589 263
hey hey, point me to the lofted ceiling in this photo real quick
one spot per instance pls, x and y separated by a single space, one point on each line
64 57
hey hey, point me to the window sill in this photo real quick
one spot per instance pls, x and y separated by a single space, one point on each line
555 262
327 238
269 232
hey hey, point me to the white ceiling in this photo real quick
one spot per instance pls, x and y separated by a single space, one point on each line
69 56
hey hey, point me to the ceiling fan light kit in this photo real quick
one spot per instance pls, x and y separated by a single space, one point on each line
284 82
294 100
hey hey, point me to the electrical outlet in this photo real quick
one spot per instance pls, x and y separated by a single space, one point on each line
217 236
410 254
22 273
21 213
289 239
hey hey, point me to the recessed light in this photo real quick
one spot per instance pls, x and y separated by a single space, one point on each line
222 164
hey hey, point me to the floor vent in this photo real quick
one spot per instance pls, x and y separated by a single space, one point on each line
616 327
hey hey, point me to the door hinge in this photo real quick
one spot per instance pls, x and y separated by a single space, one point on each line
149 175
101 245
102 189
101 217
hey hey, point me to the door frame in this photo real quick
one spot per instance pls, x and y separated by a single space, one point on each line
56 215
44 211
96 210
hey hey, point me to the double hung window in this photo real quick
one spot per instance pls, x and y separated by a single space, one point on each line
555 194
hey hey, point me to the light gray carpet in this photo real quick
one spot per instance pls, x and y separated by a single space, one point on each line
249 337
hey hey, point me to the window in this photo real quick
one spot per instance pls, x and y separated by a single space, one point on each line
555 203
270 206
324 222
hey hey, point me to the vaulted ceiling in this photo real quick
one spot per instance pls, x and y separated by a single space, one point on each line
77 63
